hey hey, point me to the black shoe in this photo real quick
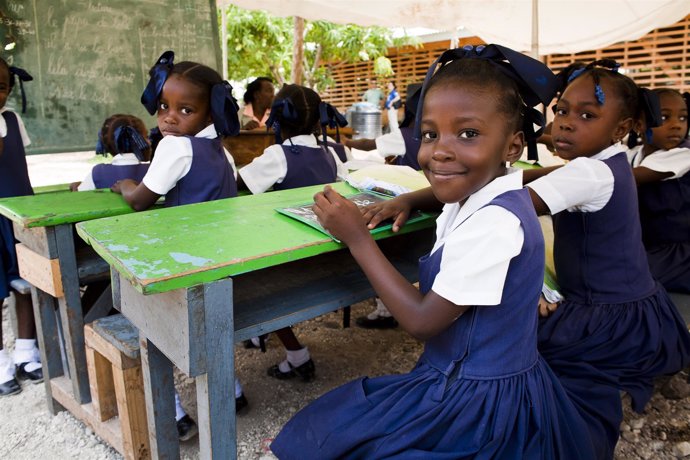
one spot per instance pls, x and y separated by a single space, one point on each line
186 428
248 344
35 376
240 403
10 388
306 372
380 322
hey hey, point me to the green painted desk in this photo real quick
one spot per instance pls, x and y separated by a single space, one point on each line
48 259
195 279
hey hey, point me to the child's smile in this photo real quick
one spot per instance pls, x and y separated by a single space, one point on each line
465 140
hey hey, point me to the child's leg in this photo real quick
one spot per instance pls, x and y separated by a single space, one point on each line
380 318
8 384
298 362
26 355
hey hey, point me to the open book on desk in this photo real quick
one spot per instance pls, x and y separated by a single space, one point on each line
305 212
391 180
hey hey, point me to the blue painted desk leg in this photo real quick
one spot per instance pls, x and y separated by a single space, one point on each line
48 342
215 390
159 392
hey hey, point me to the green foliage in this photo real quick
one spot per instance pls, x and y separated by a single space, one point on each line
260 44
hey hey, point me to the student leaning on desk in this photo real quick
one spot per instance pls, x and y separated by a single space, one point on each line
25 363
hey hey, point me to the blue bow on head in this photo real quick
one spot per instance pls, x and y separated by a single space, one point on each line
329 117
23 75
224 110
281 109
608 64
650 106
536 83
159 73
128 139
100 146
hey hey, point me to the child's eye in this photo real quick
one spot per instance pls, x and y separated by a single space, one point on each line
559 112
186 111
586 116
162 106
664 118
428 136
683 118
468 134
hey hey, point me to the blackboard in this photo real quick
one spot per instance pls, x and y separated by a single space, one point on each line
90 59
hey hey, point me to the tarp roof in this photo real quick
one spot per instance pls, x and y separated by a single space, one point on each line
565 26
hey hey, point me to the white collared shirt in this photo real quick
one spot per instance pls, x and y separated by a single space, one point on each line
22 129
391 143
479 242
584 184
271 167
676 161
173 160
122 159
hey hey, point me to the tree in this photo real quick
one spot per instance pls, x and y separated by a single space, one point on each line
260 44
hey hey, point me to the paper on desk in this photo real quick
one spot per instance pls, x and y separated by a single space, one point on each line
390 180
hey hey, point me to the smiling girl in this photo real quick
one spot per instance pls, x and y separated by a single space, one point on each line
480 389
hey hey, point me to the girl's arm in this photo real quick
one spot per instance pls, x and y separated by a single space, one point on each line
137 195
423 316
528 175
399 208
645 175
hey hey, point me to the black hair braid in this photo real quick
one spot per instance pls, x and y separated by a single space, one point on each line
306 102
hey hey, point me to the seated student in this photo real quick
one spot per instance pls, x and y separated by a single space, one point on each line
257 103
125 138
660 167
25 364
190 165
298 161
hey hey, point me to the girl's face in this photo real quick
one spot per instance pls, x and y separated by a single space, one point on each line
265 95
582 127
674 114
183 108
4 85
465 140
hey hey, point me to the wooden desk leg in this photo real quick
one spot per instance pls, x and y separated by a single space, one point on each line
48 342
71 314
159 393
215 390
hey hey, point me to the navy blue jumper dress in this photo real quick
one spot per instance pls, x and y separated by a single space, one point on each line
307 166
617 328
480 389
105 175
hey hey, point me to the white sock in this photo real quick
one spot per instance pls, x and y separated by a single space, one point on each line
6 367
238 388
298 357
381 311
179 411
26 351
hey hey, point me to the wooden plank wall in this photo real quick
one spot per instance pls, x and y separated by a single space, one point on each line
660 58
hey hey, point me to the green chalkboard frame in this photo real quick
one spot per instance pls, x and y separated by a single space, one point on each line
90 59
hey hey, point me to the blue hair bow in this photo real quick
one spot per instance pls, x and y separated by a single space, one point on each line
331 118
281 109
536 83
159 73
127 139
100 146
23 75
650 106
224 110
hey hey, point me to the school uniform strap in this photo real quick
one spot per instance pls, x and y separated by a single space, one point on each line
159 73
224 110
536 83
22 75
329 117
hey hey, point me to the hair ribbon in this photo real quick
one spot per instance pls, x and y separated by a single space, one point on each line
159 73
281 109
22 75
329 117
224 110
128 139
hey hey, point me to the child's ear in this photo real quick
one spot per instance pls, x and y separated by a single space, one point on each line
622 129
515 146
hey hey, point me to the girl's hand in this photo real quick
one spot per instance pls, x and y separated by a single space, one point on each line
74 186
545 307
339 216
397 209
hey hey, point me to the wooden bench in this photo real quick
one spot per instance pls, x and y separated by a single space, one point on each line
117 386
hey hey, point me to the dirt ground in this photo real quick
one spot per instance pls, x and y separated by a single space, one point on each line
28 431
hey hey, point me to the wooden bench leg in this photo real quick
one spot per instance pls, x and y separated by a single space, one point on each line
101 384
131 406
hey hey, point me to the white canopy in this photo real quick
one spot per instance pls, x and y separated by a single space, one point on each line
564 26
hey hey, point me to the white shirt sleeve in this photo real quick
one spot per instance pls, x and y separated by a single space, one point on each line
87 183
340 168
476 257
265 170
3 127
172 161
392 143
676 161
584 185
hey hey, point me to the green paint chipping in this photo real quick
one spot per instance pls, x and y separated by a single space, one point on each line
205 242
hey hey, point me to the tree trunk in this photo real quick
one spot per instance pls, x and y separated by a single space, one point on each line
298 50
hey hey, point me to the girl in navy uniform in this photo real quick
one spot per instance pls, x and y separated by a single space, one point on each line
297 159
194 107
25 364
617 328
660 167
125 138
480 389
